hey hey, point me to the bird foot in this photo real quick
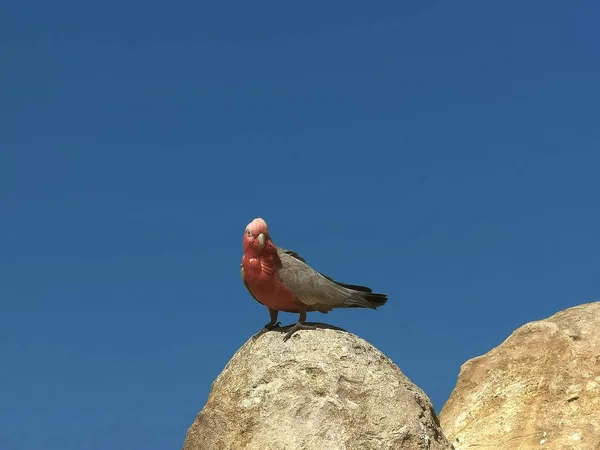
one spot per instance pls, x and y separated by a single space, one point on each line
297 327
268 327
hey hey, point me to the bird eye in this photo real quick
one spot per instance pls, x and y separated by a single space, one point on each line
249 233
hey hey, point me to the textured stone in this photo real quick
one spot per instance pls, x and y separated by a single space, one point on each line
323 389
539 389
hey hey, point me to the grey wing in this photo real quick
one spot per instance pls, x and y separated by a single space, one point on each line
321 292
246 284
354 287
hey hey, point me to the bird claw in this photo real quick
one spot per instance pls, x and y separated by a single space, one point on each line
297 327
268 327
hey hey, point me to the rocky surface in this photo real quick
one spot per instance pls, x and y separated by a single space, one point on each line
539 389
323 389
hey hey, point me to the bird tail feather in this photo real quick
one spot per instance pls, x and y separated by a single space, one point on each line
362 299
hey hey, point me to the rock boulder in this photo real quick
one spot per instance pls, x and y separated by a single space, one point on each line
539 389
323 389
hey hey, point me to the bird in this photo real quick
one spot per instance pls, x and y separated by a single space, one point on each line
281 280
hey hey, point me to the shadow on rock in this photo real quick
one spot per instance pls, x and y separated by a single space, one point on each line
284 329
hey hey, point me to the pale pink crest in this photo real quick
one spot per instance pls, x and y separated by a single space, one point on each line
258 226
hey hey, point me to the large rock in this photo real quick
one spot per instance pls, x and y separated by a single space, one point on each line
539 389
323 389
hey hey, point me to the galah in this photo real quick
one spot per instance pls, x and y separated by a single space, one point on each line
282 281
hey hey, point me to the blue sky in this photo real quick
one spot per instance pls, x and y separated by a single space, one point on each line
446 153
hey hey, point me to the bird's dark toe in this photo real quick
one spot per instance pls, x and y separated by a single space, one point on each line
271 326
268 327
295 328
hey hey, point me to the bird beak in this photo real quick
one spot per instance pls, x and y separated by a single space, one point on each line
261 240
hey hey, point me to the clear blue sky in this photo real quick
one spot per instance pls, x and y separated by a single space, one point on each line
446 153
